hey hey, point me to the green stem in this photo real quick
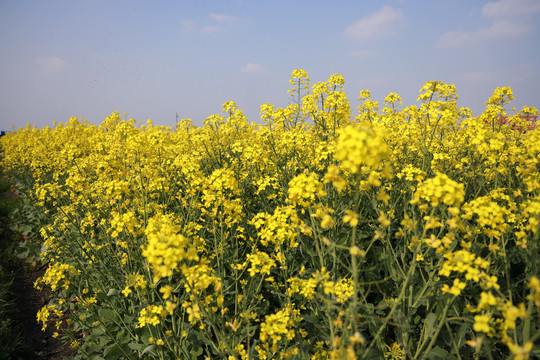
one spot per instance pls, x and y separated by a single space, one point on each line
396 304
442 321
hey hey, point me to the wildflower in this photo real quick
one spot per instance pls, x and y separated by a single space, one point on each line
44 313
333 175
126 291
199 277
489 282
520 352
55 275
534 284
357 338
394 352
511 313
279 227
151 315
193 311
261 263
170 307
278 325
166 290
456 288
439 189
482 324
304 189
327 221
356 251
383 219
166 248
487 300
343 290
356 148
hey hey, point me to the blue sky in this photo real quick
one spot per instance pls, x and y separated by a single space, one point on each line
156 59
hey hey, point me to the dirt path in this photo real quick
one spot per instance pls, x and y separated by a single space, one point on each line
36 344
41 344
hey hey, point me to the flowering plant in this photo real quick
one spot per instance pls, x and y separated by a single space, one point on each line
397 233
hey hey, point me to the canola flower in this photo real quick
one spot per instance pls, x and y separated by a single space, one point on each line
394 232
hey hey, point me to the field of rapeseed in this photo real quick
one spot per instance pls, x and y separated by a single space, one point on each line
386 232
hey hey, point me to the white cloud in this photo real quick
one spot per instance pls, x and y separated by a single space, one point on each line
251 67
211 29
509 19
381 23
220 23
49 65
454 39
510 8
222 18
503 29
187 26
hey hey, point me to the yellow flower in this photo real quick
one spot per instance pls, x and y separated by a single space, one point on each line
455 289
489 282
351 218
356 251
279 325
440 189
327 221
304 189
126 291
166 248
194 313
357 338
383 219
520 352
261 263
394 352
356 148
151 315
487 300
166 290
170 307
482 324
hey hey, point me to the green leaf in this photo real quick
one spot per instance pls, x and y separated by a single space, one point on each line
196 352
99 330
25 230
107 314
96 357
22 252
149 348
137 346
429 325
113 292
461 339
438 353
101 296
113 352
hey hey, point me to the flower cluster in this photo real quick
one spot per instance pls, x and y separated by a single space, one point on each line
396 232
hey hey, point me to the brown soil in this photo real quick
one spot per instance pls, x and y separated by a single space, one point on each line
42 345
37 344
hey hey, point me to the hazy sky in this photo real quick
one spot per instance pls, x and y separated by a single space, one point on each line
154 59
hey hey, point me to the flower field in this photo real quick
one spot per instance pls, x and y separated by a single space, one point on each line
324 232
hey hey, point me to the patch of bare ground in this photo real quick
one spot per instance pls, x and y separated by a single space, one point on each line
42 345
23 339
